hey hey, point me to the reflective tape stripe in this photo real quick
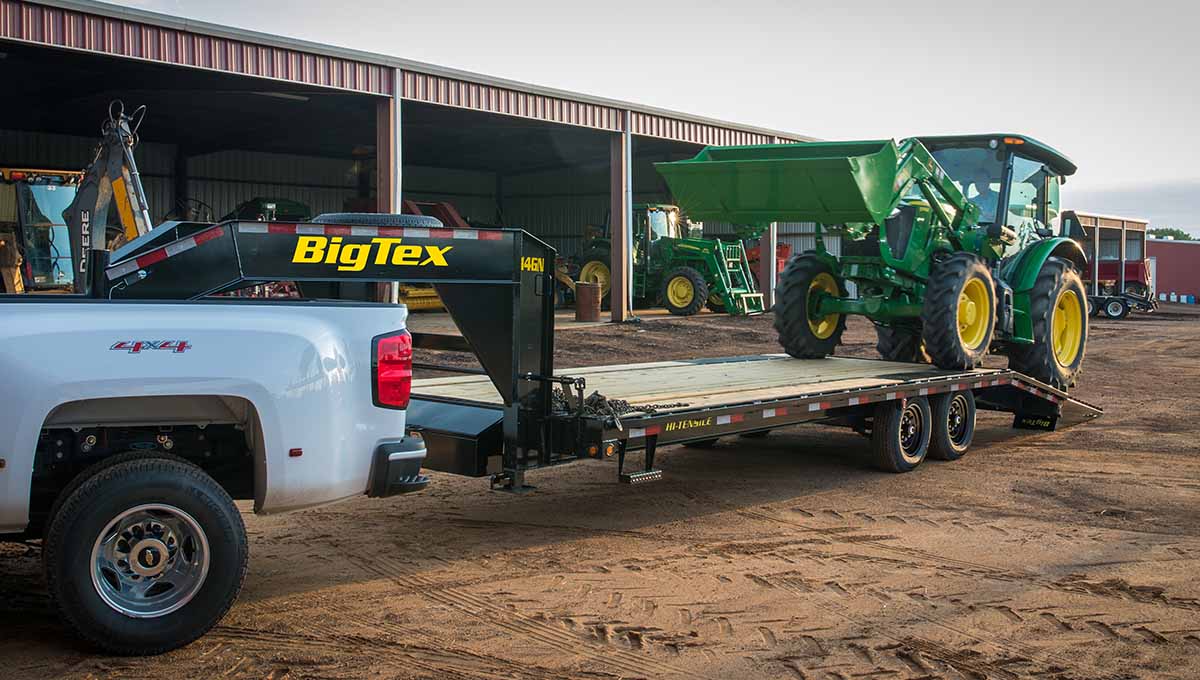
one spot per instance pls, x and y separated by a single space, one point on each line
855 401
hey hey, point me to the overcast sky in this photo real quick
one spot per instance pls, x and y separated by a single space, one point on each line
1115 88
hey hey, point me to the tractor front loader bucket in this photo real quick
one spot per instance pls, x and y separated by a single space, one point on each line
824 182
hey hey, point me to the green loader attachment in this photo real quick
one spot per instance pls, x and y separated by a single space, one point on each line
948 241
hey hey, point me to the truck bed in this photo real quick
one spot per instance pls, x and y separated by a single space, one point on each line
701 383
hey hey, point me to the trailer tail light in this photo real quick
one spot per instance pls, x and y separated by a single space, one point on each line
391 369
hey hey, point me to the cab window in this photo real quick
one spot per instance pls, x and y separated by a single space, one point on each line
660 226
1027 196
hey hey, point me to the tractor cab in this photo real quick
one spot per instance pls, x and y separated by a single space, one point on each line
1013 180
35 244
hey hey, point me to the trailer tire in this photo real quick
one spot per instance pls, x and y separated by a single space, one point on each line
959 314
684 291
145 519
1116 308
953 417
800 336
900 434
379 220
900 344
1057 306
1093 308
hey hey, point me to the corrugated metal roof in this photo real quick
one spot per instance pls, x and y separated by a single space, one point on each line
72 29
134 33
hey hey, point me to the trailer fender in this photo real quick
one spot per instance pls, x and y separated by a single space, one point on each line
1022 272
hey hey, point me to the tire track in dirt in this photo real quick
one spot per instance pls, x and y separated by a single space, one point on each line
397 656
1141 594
514 621
971 661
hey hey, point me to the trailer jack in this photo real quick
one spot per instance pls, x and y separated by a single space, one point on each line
649 474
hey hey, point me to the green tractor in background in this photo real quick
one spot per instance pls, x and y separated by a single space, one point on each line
672 263
947 240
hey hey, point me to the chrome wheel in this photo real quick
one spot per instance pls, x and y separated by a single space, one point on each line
150 560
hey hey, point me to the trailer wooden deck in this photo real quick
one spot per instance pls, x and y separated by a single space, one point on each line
700 383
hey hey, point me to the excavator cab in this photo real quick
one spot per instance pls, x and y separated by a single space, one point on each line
35 241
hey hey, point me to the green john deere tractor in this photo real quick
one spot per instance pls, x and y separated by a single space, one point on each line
673 264
947 240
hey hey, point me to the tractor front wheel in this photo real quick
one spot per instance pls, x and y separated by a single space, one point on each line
1058 309
684 291
803 335
959 314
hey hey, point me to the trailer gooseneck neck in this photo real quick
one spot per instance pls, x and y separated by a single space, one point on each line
517 414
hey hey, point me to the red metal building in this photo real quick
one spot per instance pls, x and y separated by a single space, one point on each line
1175 266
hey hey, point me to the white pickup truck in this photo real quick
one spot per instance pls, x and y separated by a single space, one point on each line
130 427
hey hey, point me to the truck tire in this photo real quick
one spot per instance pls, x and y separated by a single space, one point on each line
1058 309
801 336
953 417
959 314
1093 308
1116 308
900 434
145 555
900 344
380 220
684 291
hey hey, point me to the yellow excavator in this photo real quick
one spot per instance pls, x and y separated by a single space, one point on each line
50 220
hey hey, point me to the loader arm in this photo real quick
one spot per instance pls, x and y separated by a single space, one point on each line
110 179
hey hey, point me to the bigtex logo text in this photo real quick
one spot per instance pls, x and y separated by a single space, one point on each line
353 257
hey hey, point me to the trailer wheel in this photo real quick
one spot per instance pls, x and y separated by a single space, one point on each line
1116 309
684 291
900 344
959 314
145 555
900 434
802 336
1058 309
953 417
1093 308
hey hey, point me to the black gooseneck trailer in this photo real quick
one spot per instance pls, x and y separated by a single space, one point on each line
516 413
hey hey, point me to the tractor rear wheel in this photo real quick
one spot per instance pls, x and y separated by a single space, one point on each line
959 314
900 344
803 336
684 291
1058 308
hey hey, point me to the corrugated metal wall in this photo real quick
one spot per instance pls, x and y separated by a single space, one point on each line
227 178
67 152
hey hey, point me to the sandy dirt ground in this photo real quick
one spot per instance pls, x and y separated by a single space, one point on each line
1072 554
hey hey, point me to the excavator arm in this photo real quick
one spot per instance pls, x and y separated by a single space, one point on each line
110 179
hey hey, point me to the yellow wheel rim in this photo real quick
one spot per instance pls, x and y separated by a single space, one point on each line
824 326
1066 327
973 314
596 272
680 292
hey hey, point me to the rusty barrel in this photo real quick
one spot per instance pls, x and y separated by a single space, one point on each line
587 301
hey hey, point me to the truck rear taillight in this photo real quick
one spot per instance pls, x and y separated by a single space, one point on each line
391 369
